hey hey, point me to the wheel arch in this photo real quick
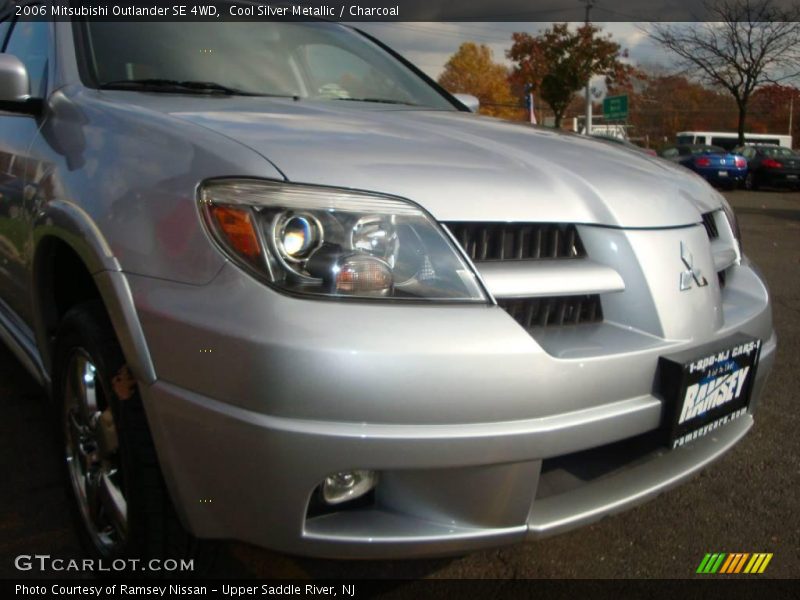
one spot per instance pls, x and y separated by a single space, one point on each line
72 262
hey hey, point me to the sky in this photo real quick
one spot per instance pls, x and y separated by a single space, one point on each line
429 45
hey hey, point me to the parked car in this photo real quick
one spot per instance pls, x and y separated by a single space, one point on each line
715 164
771 166
623 142
325 309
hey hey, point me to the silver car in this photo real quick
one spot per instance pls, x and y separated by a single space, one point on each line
286 290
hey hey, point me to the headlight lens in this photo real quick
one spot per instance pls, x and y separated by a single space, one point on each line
297 236
733 222
336 243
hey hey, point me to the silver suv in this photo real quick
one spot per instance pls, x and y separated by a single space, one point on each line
284 289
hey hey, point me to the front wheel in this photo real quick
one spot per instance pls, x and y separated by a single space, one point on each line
120 499
91 446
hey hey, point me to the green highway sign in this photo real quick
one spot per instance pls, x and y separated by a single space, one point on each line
615 108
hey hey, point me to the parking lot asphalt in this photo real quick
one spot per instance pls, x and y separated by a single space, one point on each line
746 502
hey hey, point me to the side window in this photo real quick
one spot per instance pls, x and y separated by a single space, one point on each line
726 143
29 42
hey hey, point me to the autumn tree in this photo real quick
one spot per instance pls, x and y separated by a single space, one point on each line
663 103
472 70
771 107
746 44
559 62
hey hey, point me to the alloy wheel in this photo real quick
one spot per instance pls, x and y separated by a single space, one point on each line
92 454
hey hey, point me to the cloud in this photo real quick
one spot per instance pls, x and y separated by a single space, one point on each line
429 45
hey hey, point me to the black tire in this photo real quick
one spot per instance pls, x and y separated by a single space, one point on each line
751 182
152 529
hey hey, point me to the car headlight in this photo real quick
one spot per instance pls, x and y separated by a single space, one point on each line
733 222
336 243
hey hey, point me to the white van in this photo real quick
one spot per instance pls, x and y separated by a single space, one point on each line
729 140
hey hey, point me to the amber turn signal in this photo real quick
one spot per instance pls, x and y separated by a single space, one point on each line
236 225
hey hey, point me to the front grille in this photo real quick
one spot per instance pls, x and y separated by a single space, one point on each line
711 225
518 241
554 311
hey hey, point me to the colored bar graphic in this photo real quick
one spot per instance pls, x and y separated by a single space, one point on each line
703 563
755 563
741 562
711 563
764 564
718 564
728 563
733 563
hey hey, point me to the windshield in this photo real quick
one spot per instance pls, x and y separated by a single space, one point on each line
317 60
708 150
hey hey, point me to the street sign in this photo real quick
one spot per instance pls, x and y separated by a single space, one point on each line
615 108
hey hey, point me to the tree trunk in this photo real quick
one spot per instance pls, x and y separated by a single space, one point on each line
742 117
557 115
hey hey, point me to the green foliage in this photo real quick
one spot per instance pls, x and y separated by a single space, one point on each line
559 62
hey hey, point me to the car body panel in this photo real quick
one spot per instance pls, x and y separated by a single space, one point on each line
434 158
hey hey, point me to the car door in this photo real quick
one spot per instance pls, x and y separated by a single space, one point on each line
30 41
753 158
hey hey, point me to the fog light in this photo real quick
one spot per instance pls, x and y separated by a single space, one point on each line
348 485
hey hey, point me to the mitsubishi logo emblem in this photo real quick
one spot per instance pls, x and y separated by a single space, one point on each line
690 274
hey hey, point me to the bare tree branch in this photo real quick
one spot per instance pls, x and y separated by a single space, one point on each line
750 44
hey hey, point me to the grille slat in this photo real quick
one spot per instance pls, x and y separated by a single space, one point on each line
518 241
711 225
554 245
577 313
558 311
594 309
572 236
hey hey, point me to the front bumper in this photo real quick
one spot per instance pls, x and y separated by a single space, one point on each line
449 489
474 425
780 178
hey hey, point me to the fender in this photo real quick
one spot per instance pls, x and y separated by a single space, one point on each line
69 223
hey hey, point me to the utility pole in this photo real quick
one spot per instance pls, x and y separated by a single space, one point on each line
588 126
791 113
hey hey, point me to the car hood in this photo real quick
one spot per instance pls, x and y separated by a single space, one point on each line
456 165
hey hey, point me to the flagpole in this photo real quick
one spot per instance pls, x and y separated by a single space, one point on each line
589 5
